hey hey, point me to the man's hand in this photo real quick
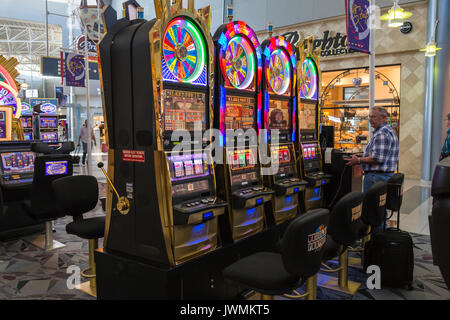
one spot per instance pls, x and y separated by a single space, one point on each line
354 160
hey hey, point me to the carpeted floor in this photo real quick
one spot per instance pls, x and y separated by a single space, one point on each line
27 272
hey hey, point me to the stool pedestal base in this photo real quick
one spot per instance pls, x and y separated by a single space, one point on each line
87 288
332 283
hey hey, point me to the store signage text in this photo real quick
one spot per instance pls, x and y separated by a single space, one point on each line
330 45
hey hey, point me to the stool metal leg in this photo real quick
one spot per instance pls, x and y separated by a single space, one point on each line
266 297
90 287
311 288
341 284
45 241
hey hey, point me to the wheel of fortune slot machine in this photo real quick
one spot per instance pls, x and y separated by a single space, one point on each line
157 81
236 110
308 124
279 100
10 103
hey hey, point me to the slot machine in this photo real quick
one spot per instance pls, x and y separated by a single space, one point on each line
47 122
6 113
308 124
27 121
236 109
10 104
157 83
279 100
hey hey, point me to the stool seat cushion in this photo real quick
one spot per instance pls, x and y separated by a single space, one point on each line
263 272
330 249
90 228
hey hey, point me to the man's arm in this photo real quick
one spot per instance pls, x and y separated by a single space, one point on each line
377 155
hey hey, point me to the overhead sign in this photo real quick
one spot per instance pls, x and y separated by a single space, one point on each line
90 19
51 66
34 102
358 31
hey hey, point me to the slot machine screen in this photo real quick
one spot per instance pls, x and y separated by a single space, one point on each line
49 136
239 112
307 116
309 151
281 154
243 167
189 173
48 122
279 114
28 135
183 109
53 168
2 125
18 162
26 122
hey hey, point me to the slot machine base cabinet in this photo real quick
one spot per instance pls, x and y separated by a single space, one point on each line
125 277
285 208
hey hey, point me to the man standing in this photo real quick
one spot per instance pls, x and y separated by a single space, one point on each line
446 148
84 136
379 161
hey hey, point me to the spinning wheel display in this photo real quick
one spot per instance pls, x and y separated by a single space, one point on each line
308 80
184 50
279 72
239 62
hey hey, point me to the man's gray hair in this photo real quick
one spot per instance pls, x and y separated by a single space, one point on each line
381 111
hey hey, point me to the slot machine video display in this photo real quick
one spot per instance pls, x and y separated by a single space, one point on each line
5 123
27 121
279 99
308 128
236 110
48 123
17 167
173 207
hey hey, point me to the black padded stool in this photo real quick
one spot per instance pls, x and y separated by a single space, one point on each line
343 231
77 195
271 273
395 195
373 215
439 220
42 205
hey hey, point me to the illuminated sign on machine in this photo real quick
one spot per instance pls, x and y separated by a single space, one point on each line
55 167
183 110
48 108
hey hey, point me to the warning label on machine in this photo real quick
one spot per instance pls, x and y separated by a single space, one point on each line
133 155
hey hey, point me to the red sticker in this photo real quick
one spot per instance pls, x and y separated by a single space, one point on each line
133 155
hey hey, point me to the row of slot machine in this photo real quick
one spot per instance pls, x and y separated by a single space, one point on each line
43 126
170 74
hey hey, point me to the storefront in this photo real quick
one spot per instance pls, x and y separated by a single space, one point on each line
400 79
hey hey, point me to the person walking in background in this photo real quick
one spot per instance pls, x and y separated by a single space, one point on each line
84 136
446 148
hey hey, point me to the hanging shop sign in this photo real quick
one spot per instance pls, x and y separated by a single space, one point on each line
91 45
357 19
330 45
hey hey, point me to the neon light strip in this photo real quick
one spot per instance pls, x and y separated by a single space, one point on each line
294 124
223 107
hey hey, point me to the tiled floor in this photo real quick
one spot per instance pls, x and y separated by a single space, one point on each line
27 272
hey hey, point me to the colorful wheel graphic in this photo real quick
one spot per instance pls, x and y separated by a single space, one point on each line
184 50
239 62
308 80
278 71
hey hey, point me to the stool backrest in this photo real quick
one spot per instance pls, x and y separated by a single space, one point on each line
46 169
301 246
374 204
345 219
77 194
395 192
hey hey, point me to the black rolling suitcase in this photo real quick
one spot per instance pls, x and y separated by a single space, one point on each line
391 250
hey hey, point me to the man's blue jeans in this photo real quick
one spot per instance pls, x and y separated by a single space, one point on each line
85 150
370 179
